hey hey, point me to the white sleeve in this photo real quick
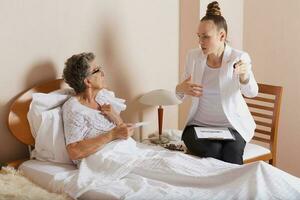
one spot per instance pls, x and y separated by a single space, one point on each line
75 127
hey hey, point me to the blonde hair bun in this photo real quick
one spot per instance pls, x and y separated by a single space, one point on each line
213 9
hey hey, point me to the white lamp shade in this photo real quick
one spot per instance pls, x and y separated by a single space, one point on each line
159 97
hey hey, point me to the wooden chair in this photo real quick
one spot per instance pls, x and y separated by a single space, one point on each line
17 117
265 109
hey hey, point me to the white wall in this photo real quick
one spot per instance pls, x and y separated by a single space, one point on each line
136 41
271 36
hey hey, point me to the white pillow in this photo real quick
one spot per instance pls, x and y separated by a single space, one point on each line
42 102
45 120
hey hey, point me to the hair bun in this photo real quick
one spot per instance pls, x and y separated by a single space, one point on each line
213 9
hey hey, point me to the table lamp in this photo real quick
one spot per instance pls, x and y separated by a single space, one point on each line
160 98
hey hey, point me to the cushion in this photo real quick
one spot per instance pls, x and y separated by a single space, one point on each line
251 150
46 124
254 150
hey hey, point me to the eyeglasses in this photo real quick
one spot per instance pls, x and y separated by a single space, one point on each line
96 70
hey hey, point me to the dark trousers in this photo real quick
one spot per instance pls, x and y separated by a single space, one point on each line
226 150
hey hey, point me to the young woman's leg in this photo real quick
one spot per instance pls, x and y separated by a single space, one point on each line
233 151
201 147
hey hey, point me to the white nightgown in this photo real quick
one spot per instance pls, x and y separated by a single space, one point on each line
82 122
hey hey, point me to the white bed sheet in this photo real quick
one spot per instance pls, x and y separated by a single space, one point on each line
42 173
160 174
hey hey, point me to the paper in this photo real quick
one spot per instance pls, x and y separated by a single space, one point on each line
214 133
139 124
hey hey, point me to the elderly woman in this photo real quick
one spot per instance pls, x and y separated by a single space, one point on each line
91 117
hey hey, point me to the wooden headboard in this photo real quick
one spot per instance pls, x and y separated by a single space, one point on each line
17 117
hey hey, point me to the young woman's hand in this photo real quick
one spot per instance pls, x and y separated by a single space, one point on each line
108 111
189 88
242 69
123 131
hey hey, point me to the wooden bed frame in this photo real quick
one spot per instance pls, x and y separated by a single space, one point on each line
17 117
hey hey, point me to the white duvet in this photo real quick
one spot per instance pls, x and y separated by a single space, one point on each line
124 169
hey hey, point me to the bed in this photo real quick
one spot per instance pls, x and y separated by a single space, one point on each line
131 170
42 172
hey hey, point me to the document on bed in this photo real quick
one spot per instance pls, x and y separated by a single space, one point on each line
214 133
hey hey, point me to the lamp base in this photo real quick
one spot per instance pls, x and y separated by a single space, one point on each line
157 140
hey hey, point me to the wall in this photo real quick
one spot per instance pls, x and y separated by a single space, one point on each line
189 18
271 36
136 41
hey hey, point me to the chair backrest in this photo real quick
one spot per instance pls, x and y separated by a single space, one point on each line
265 109
17 117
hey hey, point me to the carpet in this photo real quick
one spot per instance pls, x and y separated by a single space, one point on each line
14 186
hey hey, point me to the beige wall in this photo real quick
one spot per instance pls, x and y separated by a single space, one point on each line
271 36
136 40
189 18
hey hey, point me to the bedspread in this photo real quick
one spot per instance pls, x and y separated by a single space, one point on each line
124 169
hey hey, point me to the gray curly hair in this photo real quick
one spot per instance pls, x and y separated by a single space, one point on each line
76 70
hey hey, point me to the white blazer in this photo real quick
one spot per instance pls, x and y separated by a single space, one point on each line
231 90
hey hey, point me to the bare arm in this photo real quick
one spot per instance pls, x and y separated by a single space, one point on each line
86 147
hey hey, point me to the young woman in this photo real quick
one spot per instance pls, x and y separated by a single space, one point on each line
216 77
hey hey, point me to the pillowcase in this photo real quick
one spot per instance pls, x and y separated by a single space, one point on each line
46 124
42 102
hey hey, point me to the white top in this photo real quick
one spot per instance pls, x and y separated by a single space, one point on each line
210 111
82 122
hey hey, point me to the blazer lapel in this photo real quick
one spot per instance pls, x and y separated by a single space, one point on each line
226 57
199 69
223 76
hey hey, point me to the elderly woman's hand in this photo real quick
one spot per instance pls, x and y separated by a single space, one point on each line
108 111
123 131
242 69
